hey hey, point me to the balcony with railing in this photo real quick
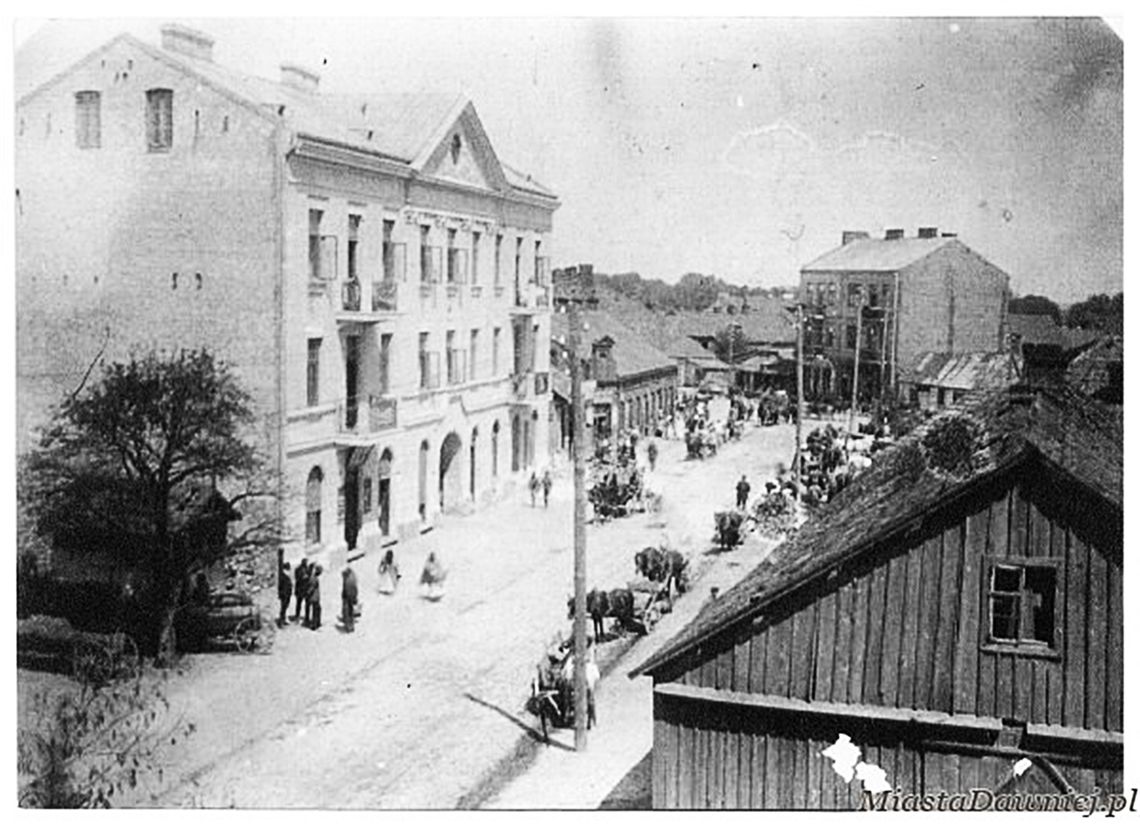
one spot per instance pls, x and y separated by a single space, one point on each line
385 295
365 416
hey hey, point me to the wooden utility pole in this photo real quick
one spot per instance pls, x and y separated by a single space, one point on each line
799 459
579 531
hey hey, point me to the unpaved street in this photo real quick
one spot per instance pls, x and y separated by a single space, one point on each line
413 708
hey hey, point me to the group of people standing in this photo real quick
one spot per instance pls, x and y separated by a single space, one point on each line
303 588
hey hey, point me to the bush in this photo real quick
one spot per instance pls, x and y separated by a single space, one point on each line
950 443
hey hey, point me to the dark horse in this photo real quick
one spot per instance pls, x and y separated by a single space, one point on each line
600 604
663 566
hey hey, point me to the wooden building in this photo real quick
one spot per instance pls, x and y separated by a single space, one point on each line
957 612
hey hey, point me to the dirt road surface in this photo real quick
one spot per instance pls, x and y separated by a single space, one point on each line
412 709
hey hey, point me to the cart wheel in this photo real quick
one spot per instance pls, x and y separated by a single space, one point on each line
91 662
245 635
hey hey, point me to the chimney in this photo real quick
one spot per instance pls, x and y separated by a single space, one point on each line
299 78
187 41
894 235
949 234
928 232
850 235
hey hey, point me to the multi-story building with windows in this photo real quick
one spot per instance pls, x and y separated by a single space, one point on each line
376 276
929 293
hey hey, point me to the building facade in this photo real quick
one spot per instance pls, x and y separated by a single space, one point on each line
377 278
957 614
928 293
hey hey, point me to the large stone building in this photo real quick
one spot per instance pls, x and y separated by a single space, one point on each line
377 277
929 293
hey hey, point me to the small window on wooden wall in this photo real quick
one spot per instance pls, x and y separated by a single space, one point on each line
1022 605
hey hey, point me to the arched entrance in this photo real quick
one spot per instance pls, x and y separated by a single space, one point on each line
384 493
450 480
471 462
423 479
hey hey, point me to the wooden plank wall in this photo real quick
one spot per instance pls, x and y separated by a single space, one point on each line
753 761
909 631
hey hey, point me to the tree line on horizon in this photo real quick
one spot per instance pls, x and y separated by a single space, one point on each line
694 292
1101 312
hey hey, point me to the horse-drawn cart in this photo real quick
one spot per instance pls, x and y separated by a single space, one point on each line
228 618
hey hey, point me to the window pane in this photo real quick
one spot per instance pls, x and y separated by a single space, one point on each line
1006 579
1003 617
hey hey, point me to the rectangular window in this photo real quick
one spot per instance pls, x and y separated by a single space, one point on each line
425 366
453 376
496 339
426 274
832 294
1022 598
159 119
87 114
873 295
537 277
385 363
473 356
313 373
315 216
852 331
854 295
366 495
452 263
498 260
476 237
353 246
518 259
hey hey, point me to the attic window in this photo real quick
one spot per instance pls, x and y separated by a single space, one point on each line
456 147
1022 602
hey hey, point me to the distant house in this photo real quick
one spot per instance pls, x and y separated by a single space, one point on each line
939 379
1045 347
957 613
693 360
634 383
1098 372
929 293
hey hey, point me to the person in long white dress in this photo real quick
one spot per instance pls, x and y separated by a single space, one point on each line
389 574
432 578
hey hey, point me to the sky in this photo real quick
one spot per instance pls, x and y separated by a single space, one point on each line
742 147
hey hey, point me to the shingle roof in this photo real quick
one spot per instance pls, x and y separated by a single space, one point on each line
876 255
961 371
1082 439
1092 370
632 354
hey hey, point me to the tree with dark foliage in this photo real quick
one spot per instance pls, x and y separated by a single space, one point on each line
134 466
1099 312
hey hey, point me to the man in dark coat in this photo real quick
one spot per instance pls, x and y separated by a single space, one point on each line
284 593
313 603
743 488
348 596
301 591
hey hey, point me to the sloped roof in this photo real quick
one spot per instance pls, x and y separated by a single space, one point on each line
1081 438
961 371
632 354
682 346
877 255
400 126
1092 370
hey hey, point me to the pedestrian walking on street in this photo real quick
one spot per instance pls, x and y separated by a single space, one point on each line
313 604
348 596
547 483
284 593
301 591
743 488
432 577
533 484
389 573
651 454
